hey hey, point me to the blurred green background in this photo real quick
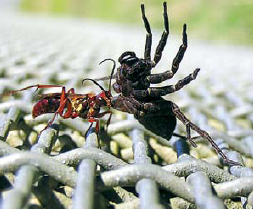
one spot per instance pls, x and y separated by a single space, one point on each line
220 20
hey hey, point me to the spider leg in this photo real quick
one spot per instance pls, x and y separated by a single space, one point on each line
127 104
131 108
162 42
158 78
181 51
148 36
188 137
162 91
189 125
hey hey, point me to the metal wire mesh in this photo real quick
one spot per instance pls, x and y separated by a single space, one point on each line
134 168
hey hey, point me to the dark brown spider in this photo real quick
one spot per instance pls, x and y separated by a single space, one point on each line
133 79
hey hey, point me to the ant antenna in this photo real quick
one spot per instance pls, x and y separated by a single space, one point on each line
113 68
95 82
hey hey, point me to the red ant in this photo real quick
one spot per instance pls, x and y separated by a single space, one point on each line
71 105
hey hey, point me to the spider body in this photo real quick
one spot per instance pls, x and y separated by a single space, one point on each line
134 78
132 74
133 81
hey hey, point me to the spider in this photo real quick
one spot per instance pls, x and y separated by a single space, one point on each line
133 79
134 76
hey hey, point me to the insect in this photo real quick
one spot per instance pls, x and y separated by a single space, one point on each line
68 104
133 80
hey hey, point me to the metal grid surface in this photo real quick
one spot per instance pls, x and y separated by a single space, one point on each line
134 168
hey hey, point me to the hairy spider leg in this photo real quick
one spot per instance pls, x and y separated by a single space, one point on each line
189 125
164 90
163 40
135 107
148 36
127 104
131 108
188 137
181 52
159 77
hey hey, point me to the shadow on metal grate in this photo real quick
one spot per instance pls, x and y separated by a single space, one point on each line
134 168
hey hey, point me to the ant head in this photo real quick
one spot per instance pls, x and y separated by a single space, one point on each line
104 98
128 58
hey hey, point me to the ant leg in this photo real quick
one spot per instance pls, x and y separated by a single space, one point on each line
148 36
91 120
97 132
28 87
68 113
100 115
88 130
162 43
164 90
109 120
59 111
48 124
90 127
64 102
158 78
202 133
68 105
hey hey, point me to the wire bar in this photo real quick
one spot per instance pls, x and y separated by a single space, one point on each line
85 187
202 189
147 188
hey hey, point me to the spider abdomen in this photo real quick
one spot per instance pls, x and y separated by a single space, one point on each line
159 119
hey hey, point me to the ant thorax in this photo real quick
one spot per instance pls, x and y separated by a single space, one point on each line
79 105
